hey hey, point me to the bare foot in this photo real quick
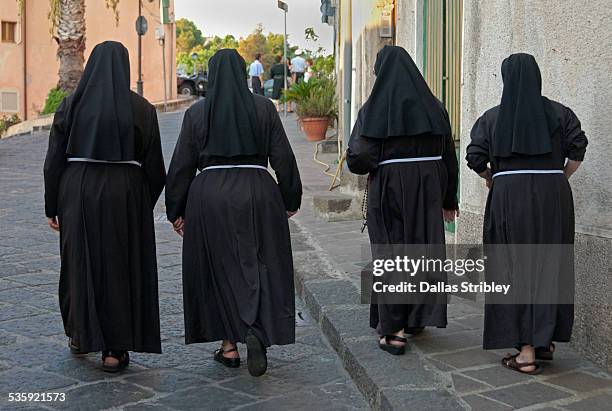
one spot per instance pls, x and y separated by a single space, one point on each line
400 334
226 346
527 355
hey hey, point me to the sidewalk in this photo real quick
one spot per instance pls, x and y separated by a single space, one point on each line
443 368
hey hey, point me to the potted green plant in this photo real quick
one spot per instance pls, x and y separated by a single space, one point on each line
316 105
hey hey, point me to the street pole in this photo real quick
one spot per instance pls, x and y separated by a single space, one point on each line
285 8
139 88
285 60
161 36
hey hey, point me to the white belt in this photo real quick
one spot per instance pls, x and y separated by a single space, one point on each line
236 166
506 173
409 160
91 160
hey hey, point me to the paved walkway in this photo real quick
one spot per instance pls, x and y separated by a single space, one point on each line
33 352
444 368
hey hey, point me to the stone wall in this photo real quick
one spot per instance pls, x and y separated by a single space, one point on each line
570 40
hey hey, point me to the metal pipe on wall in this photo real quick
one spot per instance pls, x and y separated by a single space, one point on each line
347 62
24 37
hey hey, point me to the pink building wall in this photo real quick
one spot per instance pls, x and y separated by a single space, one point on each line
40 58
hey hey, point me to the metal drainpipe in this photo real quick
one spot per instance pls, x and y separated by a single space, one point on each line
347 25
25 60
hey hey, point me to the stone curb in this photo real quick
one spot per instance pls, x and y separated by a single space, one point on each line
385 381
43 123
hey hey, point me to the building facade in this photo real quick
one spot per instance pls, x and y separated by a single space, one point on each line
459 46
28 62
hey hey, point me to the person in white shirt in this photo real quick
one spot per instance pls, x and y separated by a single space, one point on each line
298 67
256 72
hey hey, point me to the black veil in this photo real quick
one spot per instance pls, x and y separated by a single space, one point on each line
99 116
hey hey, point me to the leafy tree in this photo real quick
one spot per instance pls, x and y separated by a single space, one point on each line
252 44
188 35
204 53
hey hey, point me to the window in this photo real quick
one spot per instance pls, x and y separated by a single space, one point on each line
8 31
9 101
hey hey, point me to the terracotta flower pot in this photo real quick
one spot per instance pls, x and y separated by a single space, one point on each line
315 127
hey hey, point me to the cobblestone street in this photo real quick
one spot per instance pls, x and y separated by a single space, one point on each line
34 356
335 363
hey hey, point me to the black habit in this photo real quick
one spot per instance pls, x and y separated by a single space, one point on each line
108 282
527 208
237 262
277 73
402 119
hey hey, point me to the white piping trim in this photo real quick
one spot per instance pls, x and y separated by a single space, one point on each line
409 160
91 160
506 173
235 166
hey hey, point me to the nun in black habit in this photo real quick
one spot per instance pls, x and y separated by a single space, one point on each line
402 138
237 262
520 147
104 172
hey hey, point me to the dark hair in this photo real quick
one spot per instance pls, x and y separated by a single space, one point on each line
257 56
279 58
310 61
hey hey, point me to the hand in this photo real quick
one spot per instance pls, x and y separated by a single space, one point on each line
291 213
449 215
53 223
179 225
488 177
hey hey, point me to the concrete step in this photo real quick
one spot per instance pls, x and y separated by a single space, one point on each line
332 206
328 147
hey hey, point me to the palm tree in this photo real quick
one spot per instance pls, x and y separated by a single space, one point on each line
68 30
68 18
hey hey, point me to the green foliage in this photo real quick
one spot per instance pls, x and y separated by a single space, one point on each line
316 98
7 121
188 36
269 46
324 65
310 34
54 98
204 53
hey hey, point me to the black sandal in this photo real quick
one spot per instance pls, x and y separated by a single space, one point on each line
75 350
392 348
228 362
511 363
545 354
257 360
122 356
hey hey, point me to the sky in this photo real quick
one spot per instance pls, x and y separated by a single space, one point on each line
239 17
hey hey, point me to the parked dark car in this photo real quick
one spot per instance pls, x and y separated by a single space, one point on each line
193 84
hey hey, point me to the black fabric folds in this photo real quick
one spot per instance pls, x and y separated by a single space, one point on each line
526 120
401 103
229 109
100 119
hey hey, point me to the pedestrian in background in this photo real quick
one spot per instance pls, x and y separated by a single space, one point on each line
309 73
278 72
520 147
237 262
104 172
298 67
402 138
256 72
